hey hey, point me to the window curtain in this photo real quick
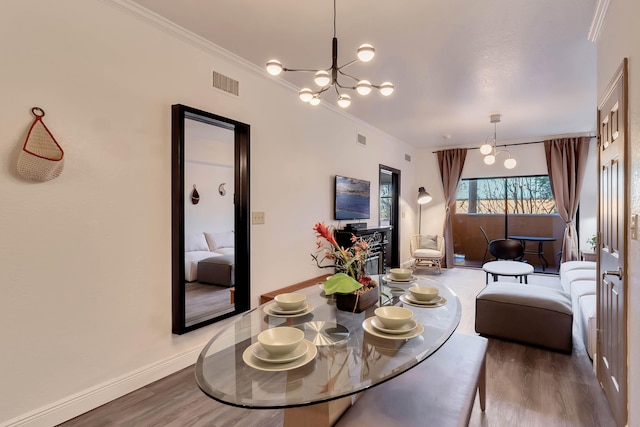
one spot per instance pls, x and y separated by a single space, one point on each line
451 163
566 164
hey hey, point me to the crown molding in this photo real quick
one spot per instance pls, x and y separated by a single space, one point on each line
130 8
598 20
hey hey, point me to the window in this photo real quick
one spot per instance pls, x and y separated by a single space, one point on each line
386 198
512 195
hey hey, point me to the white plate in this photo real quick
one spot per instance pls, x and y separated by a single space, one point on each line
276 309
251 360
417 331
407 327
262 354
388 278
438 302
269 310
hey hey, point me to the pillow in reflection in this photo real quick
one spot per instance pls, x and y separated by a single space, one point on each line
195 242
220 240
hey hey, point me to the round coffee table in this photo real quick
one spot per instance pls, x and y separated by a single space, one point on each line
507 268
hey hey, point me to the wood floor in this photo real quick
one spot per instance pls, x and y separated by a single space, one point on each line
526 386
204 301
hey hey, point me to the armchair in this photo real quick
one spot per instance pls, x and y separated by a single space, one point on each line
427 251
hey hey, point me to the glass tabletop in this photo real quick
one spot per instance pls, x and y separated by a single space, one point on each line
344 353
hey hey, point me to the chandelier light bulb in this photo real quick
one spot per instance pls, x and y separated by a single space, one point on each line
315 100
344 101
322 78
305 94
490 159
364 87
386 88
274 67
486 148
510 163
366 52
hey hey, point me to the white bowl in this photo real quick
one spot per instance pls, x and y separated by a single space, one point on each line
400 273
393 317
423 293
280 341
290 301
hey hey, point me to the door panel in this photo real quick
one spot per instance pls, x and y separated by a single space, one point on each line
612 315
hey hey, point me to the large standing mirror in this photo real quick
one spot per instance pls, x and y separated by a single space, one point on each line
210 218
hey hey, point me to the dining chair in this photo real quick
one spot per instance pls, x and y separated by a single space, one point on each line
486 250
507 249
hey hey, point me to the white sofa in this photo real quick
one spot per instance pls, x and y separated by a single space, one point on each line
578 279
199 246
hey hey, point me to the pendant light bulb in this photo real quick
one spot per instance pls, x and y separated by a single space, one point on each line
364 87
510 163
490 159
315 100
274 67
322 78
485 148
305 94
386 88
344 101
366 52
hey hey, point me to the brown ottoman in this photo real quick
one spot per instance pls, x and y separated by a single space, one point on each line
217 270
526 313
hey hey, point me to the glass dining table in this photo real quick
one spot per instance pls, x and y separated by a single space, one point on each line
344 353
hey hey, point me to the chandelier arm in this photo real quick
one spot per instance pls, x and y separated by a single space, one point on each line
303 70
350 76
353 61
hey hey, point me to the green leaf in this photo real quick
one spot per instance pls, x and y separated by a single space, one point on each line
341 283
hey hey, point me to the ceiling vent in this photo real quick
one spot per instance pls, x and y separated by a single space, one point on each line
362 140
226 84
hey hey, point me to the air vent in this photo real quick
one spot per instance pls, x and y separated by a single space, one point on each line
407 157
226 84
362 140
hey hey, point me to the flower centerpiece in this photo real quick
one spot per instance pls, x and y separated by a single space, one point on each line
354 289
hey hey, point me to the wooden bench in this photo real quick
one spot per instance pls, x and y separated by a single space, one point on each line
295 287
440 391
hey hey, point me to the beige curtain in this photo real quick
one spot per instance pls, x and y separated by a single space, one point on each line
566 163
451 163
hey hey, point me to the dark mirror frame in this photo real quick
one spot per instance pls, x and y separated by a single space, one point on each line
241 212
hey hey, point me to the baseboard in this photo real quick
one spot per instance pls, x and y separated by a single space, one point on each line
74 405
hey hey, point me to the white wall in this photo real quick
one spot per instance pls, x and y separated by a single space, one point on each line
208 158
619 39
86 280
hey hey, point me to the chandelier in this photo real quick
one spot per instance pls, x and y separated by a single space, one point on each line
489 151
328 78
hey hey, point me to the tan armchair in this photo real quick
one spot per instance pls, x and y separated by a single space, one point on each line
427 251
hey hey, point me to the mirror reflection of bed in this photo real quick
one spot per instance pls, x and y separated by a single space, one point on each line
208 221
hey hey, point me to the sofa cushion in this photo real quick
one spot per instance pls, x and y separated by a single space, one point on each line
578 274
579 288
587 304
576 265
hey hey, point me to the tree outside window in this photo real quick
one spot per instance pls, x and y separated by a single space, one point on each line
513 195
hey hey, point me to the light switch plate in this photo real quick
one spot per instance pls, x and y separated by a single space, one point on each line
257 217
634 226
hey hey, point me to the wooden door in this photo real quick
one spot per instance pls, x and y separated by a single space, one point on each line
612 206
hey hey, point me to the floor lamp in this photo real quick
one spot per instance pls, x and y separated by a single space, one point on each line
423 197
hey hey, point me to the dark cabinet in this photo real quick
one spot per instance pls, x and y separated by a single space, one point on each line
378 239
